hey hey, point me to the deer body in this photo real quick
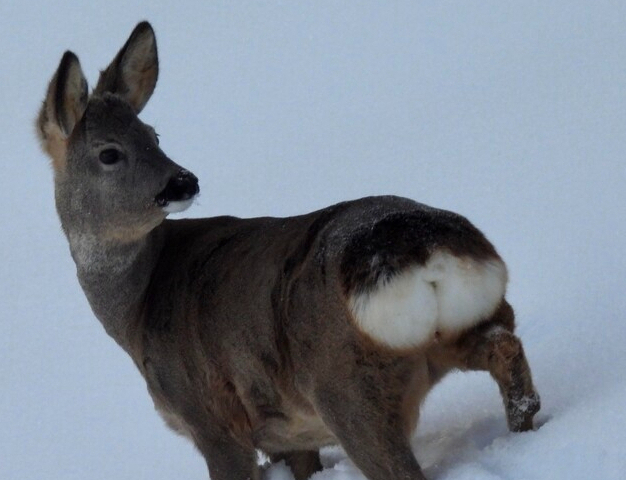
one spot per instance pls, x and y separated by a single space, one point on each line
279 334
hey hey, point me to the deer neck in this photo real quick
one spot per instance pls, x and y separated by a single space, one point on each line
114 277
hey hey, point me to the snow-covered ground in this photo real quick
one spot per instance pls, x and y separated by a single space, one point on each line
512 113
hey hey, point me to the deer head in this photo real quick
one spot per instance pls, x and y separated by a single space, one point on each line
112 181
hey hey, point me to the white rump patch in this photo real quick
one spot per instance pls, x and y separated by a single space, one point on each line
449 294
179 206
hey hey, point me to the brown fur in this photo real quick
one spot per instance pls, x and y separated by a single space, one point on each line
241 327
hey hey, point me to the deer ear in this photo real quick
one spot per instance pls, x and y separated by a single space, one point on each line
63 107
133 72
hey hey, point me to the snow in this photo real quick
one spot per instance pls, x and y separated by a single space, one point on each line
510 113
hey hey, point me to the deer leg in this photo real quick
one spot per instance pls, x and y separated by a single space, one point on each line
228 459
493 347
302 463
363 407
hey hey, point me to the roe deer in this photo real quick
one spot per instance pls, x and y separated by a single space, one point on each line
275 334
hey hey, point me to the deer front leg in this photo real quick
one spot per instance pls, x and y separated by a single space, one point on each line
303 463
227 459
494 348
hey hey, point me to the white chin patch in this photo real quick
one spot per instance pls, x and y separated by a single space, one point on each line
176 207
449 294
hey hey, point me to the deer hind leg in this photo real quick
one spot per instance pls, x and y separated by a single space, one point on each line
303 464
373 440
493 347
363 407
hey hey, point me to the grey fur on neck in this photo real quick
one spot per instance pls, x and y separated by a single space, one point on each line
114 277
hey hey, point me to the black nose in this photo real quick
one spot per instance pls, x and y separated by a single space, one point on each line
179 188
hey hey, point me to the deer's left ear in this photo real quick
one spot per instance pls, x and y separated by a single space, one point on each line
134 71
63 107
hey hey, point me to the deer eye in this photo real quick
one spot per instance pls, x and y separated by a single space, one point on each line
110 156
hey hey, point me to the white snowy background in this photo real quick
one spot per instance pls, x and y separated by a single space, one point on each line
511 113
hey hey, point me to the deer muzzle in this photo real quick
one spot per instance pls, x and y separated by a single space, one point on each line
179 192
